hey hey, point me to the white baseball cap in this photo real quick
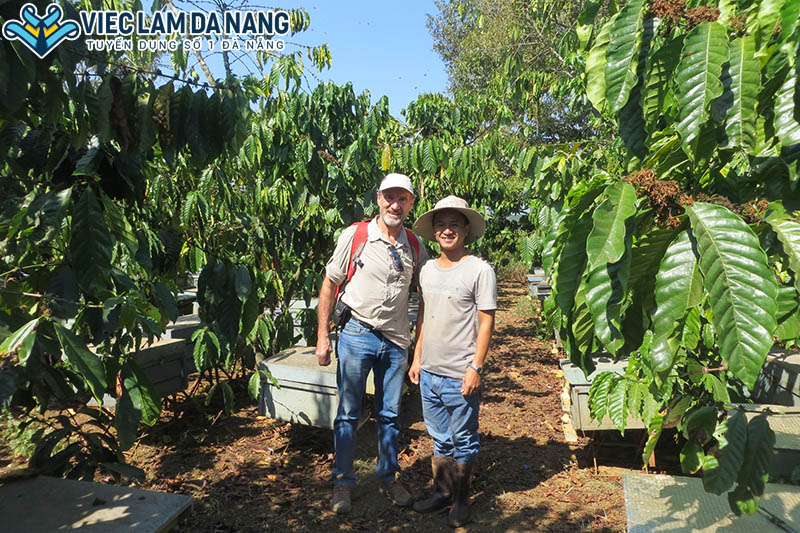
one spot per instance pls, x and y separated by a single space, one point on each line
397 180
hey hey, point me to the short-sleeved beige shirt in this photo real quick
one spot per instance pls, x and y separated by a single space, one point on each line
453 296
378 293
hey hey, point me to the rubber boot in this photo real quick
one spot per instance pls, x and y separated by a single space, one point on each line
459 513
442 495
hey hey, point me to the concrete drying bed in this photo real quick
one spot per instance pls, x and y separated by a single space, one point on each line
44 504
678 503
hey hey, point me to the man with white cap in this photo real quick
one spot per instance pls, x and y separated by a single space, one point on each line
459 299
375 332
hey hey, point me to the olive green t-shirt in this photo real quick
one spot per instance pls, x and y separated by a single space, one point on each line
452 298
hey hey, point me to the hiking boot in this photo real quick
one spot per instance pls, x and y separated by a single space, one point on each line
340 503
442 495
396 492
462 478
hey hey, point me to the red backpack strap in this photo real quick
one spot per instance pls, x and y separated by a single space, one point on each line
414 242
359 241
356 247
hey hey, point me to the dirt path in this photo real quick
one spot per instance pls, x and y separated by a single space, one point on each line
256 474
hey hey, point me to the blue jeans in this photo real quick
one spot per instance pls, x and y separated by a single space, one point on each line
451 417
360 350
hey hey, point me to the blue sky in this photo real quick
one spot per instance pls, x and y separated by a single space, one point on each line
383 47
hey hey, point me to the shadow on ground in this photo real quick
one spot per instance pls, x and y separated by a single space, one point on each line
296 502
250 473
280 493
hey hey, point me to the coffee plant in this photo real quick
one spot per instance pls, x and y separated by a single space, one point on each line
116 184
684 258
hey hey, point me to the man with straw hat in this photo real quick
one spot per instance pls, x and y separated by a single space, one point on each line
459 298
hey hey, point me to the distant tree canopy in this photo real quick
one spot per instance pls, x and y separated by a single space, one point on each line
484 43
474 37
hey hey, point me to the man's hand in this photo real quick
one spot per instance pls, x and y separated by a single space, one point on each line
471 382
413 372
324 351
416 362
323 315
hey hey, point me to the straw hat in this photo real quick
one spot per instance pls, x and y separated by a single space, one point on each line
424 224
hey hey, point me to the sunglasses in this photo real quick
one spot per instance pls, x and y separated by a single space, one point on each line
397 263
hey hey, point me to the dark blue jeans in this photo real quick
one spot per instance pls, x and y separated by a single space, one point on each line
360 350
451 417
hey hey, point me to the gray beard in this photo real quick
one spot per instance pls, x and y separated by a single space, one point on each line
391 223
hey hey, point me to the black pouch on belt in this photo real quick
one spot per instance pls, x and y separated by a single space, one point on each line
341 314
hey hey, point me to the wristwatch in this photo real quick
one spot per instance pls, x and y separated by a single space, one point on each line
476 368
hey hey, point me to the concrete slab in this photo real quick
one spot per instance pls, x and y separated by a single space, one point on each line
784 421
676 503
45 504
576 402
166 363
159 350
779 381
299 364
295 306
183 328
543 291
187 302
307 392
539 285
537 278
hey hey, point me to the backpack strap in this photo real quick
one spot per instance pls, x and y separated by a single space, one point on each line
356 247
414 242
